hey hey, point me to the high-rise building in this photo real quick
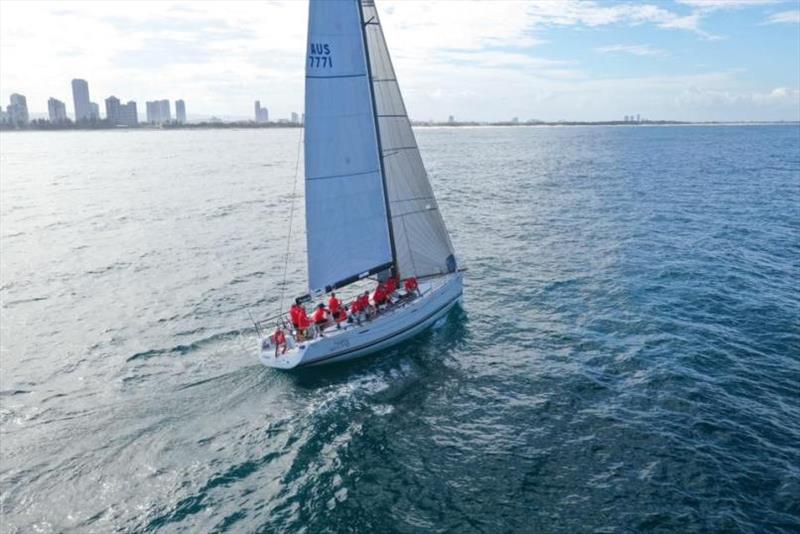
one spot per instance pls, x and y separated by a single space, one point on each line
17 110
180 111
80 97
57 110
158 111
638 118
262 114
95 111
112 110
128 114
451 119
295 118
163 111
151 108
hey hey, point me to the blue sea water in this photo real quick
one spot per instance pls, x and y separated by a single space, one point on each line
627 357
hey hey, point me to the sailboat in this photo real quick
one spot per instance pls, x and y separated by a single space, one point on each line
370 208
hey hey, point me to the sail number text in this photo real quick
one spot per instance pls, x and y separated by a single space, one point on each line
320 56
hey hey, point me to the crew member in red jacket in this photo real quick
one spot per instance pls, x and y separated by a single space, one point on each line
334 304
320 317
279 338
356 310
379 296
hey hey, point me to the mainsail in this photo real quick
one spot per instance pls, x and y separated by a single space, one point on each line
421 241
369 204
346 221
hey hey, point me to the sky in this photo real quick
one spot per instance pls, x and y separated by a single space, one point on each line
696 60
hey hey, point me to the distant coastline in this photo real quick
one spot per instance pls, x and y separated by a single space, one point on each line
44 125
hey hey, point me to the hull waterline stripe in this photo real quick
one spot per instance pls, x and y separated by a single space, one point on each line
381 340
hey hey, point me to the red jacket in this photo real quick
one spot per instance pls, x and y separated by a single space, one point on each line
320 316
391 285
302 318
411 285
333 305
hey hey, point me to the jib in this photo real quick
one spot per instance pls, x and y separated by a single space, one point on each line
319 49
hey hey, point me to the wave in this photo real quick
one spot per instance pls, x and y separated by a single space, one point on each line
190 347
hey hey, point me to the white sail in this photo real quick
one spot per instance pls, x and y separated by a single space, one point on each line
346 220
422 243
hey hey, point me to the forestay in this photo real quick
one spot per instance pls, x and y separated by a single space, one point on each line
346 220
422 243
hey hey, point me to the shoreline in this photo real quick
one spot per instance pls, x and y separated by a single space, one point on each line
47 127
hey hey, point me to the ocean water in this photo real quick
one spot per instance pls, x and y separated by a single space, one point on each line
627 357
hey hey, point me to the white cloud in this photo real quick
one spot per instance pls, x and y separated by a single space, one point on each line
636 50
471 59
784 17
726 4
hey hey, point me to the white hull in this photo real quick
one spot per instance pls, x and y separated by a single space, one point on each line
439 295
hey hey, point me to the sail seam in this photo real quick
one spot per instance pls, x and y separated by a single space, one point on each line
429 197
432 208
347 175
336 76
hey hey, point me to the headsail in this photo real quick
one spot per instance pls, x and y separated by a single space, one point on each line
421 241
346 221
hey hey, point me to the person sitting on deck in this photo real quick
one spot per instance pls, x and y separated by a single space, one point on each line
293 311
411 286
279 339
379 296
366 307
320 318
391 287
356 310
340 316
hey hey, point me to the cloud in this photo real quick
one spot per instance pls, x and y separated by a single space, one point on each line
636 50
784 17
726 4
481 60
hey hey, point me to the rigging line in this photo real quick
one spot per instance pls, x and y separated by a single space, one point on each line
291 218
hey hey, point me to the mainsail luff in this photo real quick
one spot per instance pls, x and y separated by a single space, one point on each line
421 241
347 227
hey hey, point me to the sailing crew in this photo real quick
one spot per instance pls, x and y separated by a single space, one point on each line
340 316
356 310
411 286
320 317
391 287
279 339
334 304
303 322
379 296
366 307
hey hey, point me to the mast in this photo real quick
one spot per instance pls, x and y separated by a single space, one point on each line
378 138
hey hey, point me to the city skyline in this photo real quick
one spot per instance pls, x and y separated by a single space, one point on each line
679 60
